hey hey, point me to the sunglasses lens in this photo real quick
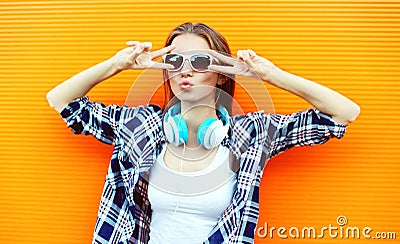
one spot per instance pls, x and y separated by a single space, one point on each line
200 61
175 59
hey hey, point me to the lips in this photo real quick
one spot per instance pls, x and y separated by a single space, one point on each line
185 85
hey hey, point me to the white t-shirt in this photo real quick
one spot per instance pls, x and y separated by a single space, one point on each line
187 205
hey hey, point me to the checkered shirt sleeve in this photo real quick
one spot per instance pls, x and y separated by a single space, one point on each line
86 117
305 128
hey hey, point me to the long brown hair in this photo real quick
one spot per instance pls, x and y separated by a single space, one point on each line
217 42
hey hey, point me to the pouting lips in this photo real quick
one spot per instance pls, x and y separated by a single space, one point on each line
185 85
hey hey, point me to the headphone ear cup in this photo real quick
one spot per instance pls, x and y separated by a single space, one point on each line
175 129
203 130
211 133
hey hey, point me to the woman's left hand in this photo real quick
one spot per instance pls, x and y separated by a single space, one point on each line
248 64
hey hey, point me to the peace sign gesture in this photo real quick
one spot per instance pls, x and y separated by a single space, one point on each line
138 55
247 64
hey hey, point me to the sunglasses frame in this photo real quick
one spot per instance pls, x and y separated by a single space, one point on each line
188 57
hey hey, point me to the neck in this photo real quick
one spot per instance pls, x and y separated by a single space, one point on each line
194 115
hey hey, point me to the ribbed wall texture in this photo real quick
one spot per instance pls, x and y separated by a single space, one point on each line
51 180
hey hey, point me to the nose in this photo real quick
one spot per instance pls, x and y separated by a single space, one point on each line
186 68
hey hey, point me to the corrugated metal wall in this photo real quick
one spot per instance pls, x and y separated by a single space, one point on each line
51 181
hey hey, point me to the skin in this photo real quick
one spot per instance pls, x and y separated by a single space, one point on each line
249 64
139 56
197 104
185 44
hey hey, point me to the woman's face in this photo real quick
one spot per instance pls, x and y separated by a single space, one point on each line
187 84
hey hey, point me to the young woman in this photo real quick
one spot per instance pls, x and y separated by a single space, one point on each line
154 190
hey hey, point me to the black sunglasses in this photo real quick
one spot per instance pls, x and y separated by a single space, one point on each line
199 61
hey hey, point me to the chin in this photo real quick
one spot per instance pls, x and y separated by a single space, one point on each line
196 94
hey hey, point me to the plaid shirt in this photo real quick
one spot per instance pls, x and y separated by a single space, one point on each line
124 213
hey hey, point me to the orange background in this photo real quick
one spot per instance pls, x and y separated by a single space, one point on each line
51 181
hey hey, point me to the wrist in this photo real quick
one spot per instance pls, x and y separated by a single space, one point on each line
113 65
273 75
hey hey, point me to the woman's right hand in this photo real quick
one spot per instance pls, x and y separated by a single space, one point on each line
138 55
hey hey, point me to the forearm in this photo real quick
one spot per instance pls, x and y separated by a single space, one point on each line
342 109
80 84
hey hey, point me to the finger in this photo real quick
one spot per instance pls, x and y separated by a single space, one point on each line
137 50
162 51
240 54
223 69
251 64
147 46
246 55
221 57
157 65
243 55
132 43
252 53
248 60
